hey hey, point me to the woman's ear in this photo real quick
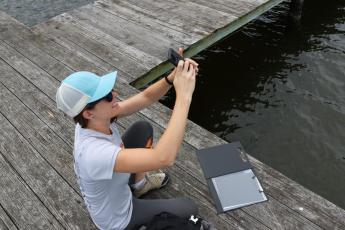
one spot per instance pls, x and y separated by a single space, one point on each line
87 114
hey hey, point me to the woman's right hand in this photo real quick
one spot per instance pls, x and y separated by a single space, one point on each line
184 81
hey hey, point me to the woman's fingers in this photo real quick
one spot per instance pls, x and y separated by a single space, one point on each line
180 65
186 66
191 69
180 51
192 61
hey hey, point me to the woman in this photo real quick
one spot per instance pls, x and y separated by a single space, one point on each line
107 166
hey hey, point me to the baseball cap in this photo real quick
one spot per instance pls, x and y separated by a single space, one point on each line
81 88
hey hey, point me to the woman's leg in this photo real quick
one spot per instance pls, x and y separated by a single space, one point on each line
145 210
138 135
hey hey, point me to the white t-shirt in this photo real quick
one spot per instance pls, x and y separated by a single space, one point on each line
106 193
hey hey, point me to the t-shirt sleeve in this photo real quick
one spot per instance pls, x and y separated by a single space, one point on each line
100 159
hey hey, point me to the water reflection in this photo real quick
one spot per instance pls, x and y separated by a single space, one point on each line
281 92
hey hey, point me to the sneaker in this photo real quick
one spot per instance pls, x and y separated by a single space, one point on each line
153 181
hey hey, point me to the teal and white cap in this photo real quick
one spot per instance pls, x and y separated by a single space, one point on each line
81 88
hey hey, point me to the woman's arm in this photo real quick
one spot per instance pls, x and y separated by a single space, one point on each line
145 98
150 95
164 154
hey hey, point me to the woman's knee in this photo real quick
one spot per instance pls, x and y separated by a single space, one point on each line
193 206
144 125
188 206
138 135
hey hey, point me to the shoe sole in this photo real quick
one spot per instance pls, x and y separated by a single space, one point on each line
165 180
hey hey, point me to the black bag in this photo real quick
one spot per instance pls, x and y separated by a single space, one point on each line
168 221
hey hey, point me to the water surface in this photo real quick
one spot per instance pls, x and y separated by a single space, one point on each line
281 92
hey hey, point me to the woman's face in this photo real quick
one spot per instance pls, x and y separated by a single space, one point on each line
105 110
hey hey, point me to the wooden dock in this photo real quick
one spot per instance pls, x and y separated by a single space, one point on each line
38 186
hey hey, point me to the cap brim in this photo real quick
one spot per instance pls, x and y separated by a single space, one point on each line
106 84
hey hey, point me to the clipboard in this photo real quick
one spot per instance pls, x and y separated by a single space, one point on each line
230 177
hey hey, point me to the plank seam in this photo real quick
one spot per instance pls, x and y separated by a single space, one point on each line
112 64
69 144
39 152
9 64
136 23
203 24
40 50
14 47
57 38
79 24
3 208
24 182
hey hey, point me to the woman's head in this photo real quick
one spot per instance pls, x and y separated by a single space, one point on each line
101 110
84 95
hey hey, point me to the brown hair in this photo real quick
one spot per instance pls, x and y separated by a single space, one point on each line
80 119
83 121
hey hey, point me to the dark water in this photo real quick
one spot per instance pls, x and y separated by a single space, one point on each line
281 92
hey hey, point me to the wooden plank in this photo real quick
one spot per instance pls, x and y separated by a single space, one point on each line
74 212
22 45
16 197
28 43
129 33
233 7
31 96
122 56
61 200
50 146
185 12
25 41
13 58
6 222
183 37
176 23
64 61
